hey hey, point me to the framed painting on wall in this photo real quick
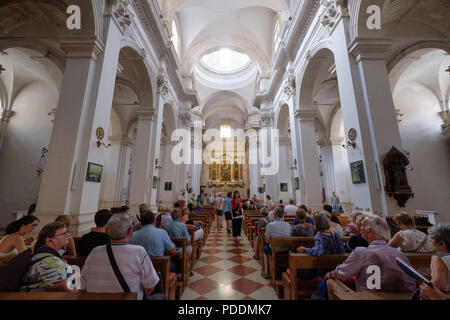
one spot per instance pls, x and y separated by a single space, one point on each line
168 186
357 171
94 172
297 183
283 187
155 182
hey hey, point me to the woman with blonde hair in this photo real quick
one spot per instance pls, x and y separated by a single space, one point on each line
409 239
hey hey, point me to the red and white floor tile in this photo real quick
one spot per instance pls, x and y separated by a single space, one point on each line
226 271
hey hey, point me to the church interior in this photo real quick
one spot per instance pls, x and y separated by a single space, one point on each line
111 104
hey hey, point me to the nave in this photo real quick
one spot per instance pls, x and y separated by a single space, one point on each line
227 271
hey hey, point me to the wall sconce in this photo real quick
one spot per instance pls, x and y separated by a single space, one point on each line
295 165
40 169
156 164
100 133
351 136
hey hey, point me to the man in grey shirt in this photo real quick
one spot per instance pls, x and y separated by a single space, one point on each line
277 228
362 262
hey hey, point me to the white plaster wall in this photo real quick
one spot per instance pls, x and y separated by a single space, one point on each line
284 175
429 156
28 131
169 174
109 174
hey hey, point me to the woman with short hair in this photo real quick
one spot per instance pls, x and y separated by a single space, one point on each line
48 270
409 239
302 228
440 262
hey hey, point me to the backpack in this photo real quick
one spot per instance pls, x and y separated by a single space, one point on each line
12 272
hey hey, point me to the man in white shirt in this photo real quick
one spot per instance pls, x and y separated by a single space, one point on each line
133 262
291 208
212 199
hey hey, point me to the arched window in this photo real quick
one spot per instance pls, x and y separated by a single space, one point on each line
276 35
175 36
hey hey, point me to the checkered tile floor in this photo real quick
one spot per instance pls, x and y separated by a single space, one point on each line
227 272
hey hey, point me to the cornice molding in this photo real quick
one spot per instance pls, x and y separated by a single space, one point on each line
306 114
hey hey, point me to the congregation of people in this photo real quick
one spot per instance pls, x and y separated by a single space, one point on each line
130 240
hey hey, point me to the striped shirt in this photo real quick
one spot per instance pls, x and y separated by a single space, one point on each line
133 262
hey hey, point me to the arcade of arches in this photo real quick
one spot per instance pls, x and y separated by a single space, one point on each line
213 96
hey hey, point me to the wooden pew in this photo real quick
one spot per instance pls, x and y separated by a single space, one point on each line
295 288
196 245
75 260
67 296
168 280
278 261
182 264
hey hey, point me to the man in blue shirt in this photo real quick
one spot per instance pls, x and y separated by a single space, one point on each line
177 229
155 241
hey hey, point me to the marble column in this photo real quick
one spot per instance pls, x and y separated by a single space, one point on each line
197 154
141 179
84 106
308 165
326 151
368 107
252 134
269 153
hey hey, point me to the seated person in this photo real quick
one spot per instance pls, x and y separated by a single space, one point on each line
155 241
308 218
70 248
97 236
177 229
163 217
353 227
334 227
137 218
302 228
48 271
440 262
271 215
124 209
133 262
187 218
291 208
428 293
329 209
13 243
325 242
354 230
376 231
409 239
262 223
277 228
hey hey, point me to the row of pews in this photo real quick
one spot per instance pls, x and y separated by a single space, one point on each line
283 267
172 285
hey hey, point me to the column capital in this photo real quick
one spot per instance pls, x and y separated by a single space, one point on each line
163 86
185 117
306 114
324 142
122 15
145 114
266 118
82 47
289 85
369 49
445 127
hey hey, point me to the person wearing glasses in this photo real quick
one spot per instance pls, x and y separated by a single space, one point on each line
48 270
13 243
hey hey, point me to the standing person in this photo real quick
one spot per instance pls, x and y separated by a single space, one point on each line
335 202
219 206
227 208
212 199
269 201
236 211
